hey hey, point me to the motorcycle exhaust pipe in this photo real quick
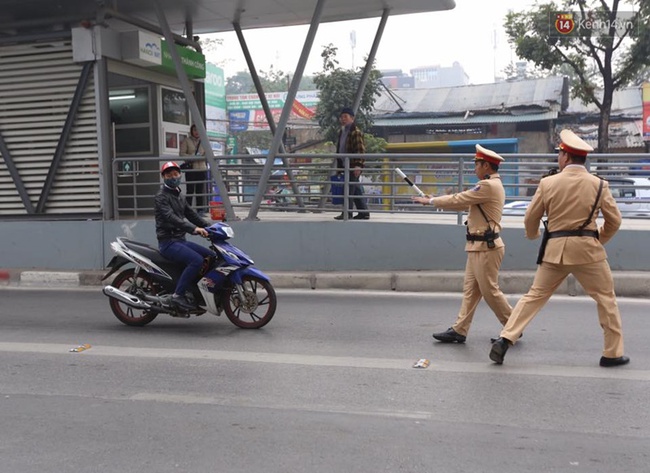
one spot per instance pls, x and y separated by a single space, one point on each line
125 297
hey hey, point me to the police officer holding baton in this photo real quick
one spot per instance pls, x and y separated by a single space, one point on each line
484 247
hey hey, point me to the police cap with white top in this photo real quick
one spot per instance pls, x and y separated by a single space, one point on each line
484 154
573 144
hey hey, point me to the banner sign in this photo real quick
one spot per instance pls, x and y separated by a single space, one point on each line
239 119
246 113
193 62
215 103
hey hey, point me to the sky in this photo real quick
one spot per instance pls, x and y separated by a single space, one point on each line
471 34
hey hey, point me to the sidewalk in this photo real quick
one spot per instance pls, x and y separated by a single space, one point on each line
627 283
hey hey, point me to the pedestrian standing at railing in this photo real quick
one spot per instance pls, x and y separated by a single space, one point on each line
350 142
196 170
572 244
484 247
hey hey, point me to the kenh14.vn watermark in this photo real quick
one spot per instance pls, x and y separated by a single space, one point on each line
591 24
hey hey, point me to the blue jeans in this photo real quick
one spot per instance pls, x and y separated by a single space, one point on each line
189 253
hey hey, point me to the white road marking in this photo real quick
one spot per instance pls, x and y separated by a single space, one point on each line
624 373
232 402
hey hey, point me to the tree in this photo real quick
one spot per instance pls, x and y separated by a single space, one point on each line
274 81
338 88
271 80
520 70
374 144
209 45
642 77
607 58
240 83
254 139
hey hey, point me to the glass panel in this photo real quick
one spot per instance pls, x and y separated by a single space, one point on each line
132 140
129 106
174 107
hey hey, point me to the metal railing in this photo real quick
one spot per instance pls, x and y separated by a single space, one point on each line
137 180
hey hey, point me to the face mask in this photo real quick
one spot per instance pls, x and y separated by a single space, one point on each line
173 182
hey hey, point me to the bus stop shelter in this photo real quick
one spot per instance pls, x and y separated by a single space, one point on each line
63 63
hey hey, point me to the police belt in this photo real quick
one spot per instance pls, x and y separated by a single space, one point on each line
492 237
573 233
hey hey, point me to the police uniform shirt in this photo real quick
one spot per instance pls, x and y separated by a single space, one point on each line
491 195
567 198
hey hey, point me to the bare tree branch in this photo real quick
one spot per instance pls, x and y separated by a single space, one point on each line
583 79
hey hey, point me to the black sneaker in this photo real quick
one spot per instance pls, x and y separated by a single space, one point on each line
182 302
449 336
608 362
342 216
494 339
361 216
499 349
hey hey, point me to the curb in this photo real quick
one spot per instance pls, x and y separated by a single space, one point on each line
49 279
627 283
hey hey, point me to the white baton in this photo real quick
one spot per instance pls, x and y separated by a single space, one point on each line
409 182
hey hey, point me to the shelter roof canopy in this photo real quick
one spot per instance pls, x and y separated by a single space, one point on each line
213 16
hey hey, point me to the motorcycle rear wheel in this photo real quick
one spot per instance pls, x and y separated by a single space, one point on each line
259 305
125 281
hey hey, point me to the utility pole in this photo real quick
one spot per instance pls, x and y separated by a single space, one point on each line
494 55
353 44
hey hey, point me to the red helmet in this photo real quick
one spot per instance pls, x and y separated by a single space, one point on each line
169 165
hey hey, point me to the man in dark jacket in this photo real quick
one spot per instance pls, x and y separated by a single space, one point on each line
350 141
175 218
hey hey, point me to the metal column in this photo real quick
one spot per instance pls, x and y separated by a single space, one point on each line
267 109
284 117
371 59
105 140
199 87
194 110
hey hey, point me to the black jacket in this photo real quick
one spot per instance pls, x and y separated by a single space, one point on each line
171 212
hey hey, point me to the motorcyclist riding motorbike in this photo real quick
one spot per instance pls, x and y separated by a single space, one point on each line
175 218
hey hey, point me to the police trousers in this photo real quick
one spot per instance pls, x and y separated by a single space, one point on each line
482 281
597 281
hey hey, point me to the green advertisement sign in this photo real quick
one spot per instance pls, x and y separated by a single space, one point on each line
193 62
233 148
215 103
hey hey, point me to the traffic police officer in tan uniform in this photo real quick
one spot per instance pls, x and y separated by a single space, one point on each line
572 200
485 248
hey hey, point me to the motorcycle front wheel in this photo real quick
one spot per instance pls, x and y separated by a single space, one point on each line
257 308
127 282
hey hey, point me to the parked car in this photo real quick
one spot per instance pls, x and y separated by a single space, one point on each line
632 195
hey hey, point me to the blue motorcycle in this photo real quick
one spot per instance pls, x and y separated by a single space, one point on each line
228 283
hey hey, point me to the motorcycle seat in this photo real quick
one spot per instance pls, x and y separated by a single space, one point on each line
147 250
